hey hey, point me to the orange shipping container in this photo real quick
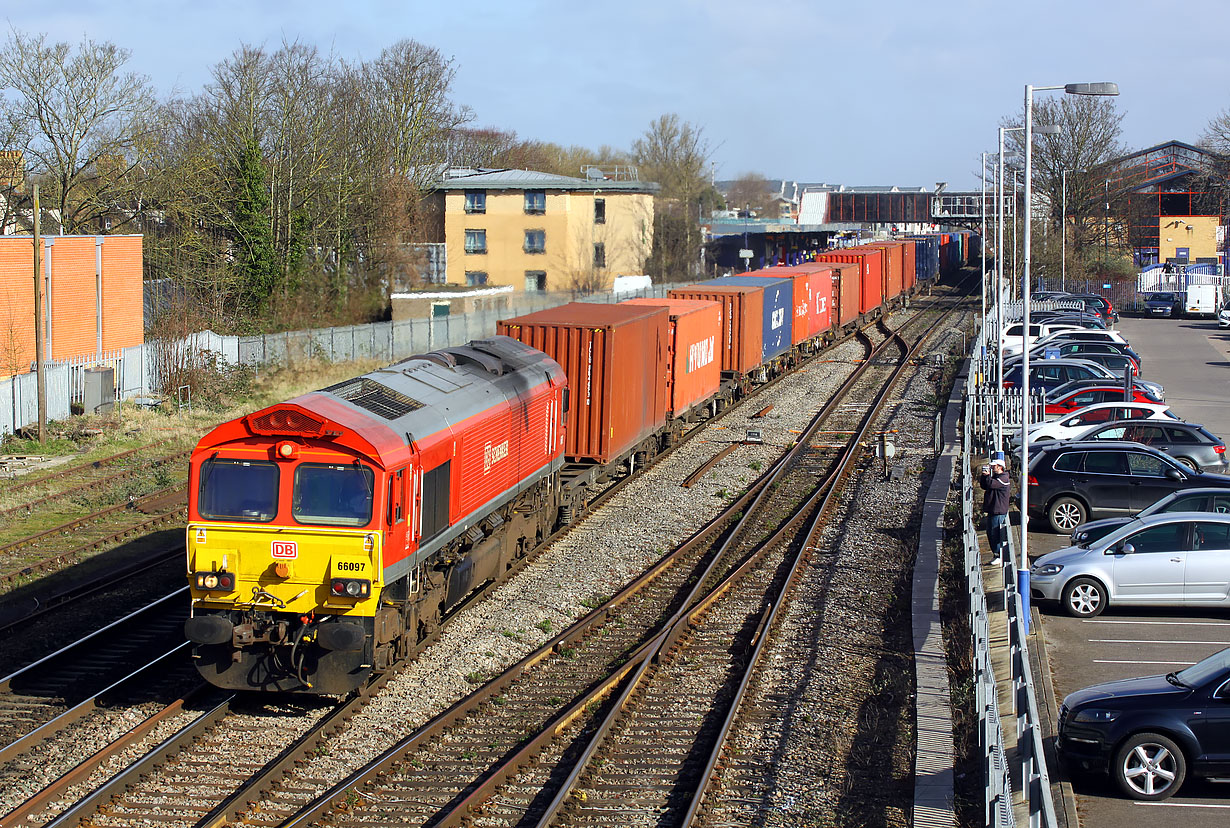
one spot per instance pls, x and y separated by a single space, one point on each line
894 262
845 293
615 359
742 322
871 273
910 249
693 372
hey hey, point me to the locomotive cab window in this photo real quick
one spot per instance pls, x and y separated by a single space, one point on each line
333 495
244 490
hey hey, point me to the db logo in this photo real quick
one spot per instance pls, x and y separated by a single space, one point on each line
284 549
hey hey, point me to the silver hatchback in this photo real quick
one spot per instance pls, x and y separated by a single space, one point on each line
1170 559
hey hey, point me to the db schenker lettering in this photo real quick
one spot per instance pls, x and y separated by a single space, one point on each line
494 454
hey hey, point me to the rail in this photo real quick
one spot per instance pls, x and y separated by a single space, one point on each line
1029 776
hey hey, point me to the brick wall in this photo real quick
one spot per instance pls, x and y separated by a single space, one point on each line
72 294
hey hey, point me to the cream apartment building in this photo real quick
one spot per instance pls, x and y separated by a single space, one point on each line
537 231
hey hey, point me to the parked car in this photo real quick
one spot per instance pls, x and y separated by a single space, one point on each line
1163 303
1052 373
1081 349
1189 443
1010 340
1115 363
1142 563
1098 304
1151 733
1223 316
1183 500
1072 482
1068 426
1084 335
1084 320
1067 398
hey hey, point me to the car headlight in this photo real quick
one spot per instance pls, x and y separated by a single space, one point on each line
1047 570
1094 714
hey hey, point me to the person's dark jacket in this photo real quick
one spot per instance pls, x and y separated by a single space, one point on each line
998 488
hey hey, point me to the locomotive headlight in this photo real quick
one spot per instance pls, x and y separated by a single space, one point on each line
350 588
214 581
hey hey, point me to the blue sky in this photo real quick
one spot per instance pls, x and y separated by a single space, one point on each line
890 92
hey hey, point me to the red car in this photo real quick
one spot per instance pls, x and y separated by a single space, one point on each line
1091 394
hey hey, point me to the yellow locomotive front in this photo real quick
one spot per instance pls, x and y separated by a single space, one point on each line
285 564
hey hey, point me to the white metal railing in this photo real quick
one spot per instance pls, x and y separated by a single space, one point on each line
1032 779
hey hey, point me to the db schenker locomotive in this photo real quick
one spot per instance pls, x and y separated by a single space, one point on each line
328 535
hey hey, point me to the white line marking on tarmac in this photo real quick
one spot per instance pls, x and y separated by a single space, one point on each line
1147 641
1110 661
1161 623
1180 805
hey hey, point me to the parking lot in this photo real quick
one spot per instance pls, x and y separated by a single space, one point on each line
1192 359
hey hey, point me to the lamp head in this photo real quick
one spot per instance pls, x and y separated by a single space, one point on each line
1049 129
1105 89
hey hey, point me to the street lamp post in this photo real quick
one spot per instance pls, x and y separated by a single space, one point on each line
1063 236
1071 89
983 257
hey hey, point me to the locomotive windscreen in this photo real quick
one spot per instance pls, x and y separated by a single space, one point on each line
333 495
239 490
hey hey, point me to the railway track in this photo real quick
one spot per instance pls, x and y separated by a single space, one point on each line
448 773
43 698
306 744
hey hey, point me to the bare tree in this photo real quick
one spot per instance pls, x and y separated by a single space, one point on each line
1088 138
674 154
751 191
90 124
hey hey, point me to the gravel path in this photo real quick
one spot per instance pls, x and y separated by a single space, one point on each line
826 736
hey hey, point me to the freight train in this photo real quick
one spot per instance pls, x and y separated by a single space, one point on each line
329 535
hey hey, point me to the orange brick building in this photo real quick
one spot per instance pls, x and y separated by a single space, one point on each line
92 293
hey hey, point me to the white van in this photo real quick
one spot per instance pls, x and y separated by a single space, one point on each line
1202 300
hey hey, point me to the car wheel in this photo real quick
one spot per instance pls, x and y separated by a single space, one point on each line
1084 598
1189 462
1149 767
1065 514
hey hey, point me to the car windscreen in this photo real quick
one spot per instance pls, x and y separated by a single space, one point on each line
1203 671
333 495
244 490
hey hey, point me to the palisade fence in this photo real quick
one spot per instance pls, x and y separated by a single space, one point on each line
139 370
1032 781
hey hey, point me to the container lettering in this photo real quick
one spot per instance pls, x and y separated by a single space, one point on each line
700 354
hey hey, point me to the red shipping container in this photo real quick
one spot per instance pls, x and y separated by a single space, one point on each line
742 322
615 359
894 275
693 369
871 273
846 294
811 312
910 268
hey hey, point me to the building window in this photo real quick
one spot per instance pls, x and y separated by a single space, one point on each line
535 281
535 241
476 201
535 202
599 211
599 255
476 278
476 241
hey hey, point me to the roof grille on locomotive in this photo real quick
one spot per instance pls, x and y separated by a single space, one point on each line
374 397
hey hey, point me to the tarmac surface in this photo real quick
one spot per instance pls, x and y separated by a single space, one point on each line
1191 358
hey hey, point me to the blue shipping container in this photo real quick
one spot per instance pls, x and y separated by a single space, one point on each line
778 304
926 257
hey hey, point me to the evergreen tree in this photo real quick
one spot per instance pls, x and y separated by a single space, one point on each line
254 255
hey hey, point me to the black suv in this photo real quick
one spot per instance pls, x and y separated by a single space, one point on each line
1151 732
1072 481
